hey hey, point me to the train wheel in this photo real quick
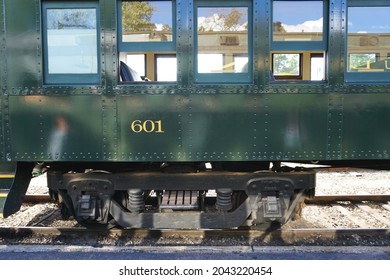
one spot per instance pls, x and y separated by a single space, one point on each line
238 197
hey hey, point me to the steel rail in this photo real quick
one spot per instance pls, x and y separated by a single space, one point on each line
351 198
44 198
285 236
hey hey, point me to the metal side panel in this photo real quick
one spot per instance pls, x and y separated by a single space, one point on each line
51 128
11 197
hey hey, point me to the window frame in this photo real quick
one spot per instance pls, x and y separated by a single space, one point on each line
288 77
146 46
225 78
69 78
302 45
356 77
162 55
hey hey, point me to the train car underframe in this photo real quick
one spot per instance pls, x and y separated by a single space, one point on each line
184 196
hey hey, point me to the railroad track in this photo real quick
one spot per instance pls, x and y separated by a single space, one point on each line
44 198
298 232
375 206
268 236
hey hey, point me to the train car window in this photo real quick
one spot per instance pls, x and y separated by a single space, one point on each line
299 39
147 21
146 30
70 38
137 61
368 41
298 20
317 67
223 42
166 68
287 66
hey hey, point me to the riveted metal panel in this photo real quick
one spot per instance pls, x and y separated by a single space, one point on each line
185 44
261 33
55 128
108 45
23 46
3 79
335 126
223 127
366 133
150 127
336 43
296 127
110 128
3 52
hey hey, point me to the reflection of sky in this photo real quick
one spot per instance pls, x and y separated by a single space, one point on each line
296 12
162 13
71 18
369 20
209 12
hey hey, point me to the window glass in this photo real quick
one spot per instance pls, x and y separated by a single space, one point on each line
286 64
368 39
210 62
137 62
166 68
147 21
298 20
71 46
317 67
72 41
240 63
146 41
222 34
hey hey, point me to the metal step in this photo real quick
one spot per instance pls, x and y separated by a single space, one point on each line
6 179
180 200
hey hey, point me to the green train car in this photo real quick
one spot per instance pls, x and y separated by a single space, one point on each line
168 114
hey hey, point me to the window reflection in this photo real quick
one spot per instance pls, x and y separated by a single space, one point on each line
368 39
297 20
72 41
286 64
222 36
146 21
166 68
137 62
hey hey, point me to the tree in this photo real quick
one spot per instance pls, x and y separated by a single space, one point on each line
224 21
278 27
136 16
286 64
232 20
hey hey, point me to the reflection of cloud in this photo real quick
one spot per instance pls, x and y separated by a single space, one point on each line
159 26
307 26
381 27
217 23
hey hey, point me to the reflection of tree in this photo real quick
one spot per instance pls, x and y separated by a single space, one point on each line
224 21
278 27
287 64
136 16
71 18
360 60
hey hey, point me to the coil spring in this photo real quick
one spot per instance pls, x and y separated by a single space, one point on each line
224 201
136 201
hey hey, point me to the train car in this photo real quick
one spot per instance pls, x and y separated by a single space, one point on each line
170 114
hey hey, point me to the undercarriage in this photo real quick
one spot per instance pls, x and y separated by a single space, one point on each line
180 199
168 195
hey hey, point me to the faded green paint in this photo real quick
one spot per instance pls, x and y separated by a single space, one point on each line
23 45
329 120
366 126
56 128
